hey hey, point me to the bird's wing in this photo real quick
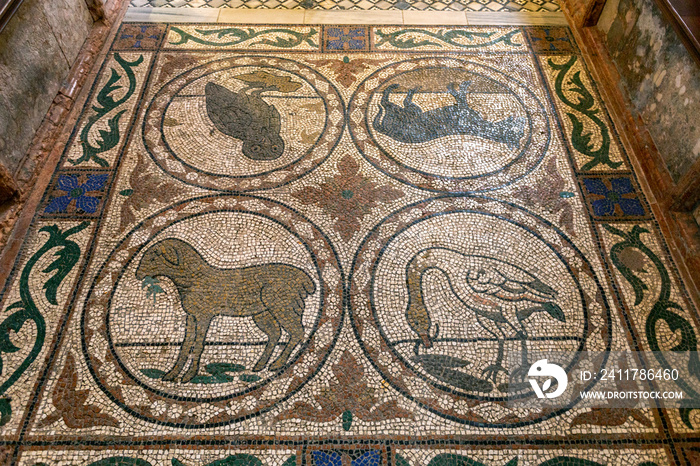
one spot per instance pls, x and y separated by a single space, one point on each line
507 282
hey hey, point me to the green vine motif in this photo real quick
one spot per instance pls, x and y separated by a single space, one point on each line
449 36
240 459
105 104
287 40
582 141
26 309
661 311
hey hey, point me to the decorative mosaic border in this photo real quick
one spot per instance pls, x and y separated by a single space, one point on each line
342 38
356 453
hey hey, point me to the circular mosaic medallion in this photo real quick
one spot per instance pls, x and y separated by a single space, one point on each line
457 297
213 311
243 123
446 124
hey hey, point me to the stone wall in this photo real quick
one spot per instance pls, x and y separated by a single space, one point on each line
659 76
37 49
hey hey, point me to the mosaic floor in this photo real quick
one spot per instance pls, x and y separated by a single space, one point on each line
438 5
320 245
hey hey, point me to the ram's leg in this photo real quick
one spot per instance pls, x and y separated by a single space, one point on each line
269 325
197 348
291 323
185 349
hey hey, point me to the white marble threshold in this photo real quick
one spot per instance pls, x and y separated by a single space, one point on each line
247 16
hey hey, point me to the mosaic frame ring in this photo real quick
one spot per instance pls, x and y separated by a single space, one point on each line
529 157
167 159
382 351
111 374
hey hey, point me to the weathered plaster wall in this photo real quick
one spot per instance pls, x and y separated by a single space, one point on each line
659 76
37 49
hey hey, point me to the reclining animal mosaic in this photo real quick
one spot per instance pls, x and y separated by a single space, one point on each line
410 124
272 294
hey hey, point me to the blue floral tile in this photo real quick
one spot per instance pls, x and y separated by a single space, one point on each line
76 193
327 458
613 197
550 40
343 457
346 38
139 36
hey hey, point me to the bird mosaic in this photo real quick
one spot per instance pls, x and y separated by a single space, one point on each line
246 116
500 297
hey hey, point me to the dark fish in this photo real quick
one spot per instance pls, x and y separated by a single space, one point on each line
439 361
439 366
464 381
